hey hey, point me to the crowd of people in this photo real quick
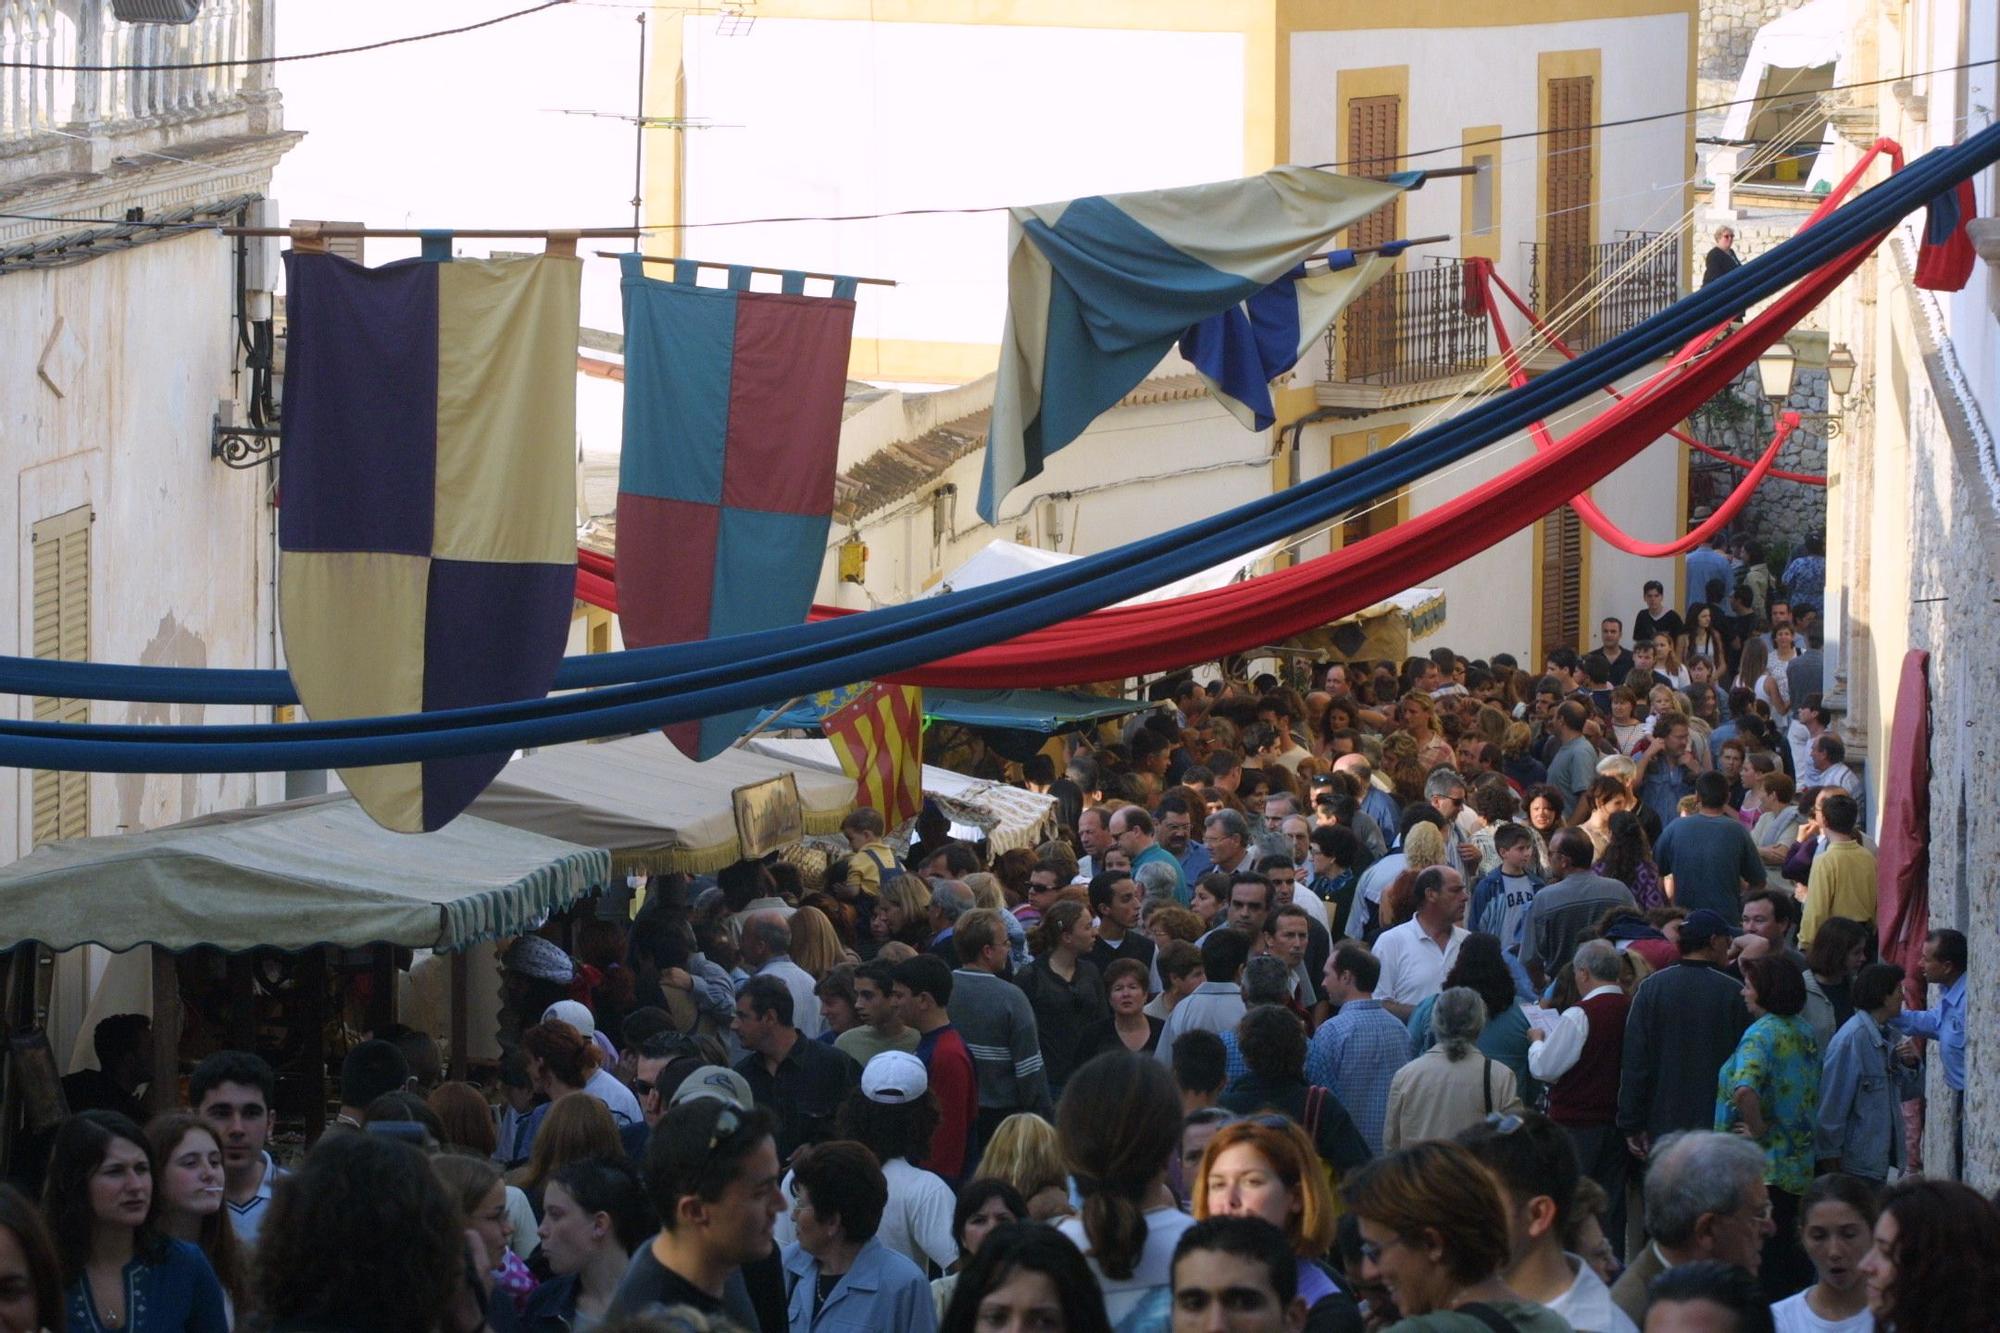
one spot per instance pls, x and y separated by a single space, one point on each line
1445 996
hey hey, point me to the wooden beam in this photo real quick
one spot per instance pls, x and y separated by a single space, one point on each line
164 1094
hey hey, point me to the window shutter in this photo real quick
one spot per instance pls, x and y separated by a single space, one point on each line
1570 225
1562 580
62 633
1368 325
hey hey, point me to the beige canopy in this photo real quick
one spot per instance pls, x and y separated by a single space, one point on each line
655 810
291 877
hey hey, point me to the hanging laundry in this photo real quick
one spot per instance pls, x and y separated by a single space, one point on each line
428 534
1944 259
725 487
1099 289
1240 351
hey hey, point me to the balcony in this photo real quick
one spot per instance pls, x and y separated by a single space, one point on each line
1589 294
96 141
1407 339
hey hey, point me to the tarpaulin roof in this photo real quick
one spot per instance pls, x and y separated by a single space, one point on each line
319 872
1007 817
1001 559
1046 711
653 808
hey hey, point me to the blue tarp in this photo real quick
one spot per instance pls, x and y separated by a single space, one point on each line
1046 711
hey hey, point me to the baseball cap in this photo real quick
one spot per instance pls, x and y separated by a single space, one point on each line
894 1078
1702 925
573 1013
719 1082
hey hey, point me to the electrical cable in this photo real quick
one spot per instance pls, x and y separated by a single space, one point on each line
282 60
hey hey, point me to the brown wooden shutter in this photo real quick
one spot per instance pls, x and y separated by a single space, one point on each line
1571 228
1562 580
1368 326
62 633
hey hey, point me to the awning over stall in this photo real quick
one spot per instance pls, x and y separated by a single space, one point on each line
314 873
1045 711
656 810
1007 817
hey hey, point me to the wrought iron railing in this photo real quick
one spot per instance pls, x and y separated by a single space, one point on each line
1409 327
1597 292
46 101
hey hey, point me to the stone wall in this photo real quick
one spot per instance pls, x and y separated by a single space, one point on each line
1780 511
1727 28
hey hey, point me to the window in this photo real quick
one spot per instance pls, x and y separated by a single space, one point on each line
62 633
1482 194
1562 580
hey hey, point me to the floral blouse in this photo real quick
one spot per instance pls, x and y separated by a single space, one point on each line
1779 1060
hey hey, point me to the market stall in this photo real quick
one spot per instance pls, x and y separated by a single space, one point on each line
258 920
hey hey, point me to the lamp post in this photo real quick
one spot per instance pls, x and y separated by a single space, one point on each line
1778 366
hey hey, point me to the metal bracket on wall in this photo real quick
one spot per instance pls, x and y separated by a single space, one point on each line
243 447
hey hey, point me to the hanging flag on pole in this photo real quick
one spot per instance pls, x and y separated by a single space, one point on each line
1098 290
1240 351
428 533
725 485
879 739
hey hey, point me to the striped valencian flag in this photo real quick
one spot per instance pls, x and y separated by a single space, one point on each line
880 741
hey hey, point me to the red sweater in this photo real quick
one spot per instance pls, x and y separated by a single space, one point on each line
1587 1095
957 1087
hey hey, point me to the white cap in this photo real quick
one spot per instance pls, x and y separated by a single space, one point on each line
894 1078
575 1014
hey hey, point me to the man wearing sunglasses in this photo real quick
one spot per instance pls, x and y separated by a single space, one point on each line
712 1172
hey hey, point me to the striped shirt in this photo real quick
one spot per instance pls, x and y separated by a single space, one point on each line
998 1026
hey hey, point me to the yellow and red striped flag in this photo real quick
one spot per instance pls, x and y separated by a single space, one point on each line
880 740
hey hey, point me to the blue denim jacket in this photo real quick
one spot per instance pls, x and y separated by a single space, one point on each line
1861 1091
882 1291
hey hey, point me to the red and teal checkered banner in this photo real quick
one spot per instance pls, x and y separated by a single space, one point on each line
428 531
725 485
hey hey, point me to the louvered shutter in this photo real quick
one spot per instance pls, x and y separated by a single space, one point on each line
62 632
1368 326
1562 580
1570 225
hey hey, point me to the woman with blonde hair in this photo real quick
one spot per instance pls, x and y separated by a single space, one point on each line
1024 1152
1423 847
903 912
815 944
1604 797
576 1129
1420 721
1268 1168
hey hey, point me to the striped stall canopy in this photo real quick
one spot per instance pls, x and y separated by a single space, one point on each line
428 528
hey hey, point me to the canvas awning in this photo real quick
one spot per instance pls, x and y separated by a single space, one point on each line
293 877
1045 711
1800 53
1007 817
654 809
1001 559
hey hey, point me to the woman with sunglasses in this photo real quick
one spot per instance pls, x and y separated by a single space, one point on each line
1266 1167
1434 1233
119 1269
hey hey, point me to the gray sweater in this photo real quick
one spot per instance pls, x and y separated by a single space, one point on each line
998 1026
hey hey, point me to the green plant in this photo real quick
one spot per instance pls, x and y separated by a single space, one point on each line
1779 554
1724 411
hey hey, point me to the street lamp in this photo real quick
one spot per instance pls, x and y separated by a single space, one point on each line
1774 368
1839 370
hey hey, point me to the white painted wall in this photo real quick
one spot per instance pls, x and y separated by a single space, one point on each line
1137 471
826 117
1463 77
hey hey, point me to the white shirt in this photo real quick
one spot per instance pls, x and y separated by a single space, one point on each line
617 1098
1156 1260
916 1220
1587 1304
805 1005
1413 966
1793 1315
1557 1053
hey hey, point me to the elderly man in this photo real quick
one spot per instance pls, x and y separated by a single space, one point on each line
1093 833
1381 807
1416 955
1580 1060
1705 1199
1132 829
950 900
1227 837
767 951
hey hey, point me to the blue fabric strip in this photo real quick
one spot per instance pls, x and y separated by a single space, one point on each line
739 277
843 289
437 247
793 283
686 272
728 673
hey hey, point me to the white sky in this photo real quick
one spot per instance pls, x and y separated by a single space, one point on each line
464 131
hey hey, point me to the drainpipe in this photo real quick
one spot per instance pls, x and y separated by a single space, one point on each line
1297 431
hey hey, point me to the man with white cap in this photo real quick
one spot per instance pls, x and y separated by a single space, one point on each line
602 1083
896 1116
